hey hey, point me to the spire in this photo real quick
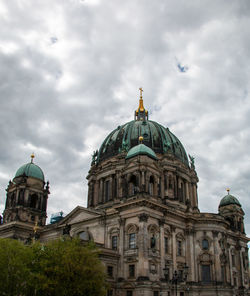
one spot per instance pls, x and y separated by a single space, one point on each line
141 113
228 190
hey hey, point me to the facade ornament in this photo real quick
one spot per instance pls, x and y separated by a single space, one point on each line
66 229
153 241
143 217
191 158
94 157
173 228
122 221
36 235
161 222
215 233
47 187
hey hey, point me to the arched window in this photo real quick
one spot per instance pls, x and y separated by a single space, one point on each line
132 231
33 200
132 185
151 185
107 190
21 197
84 235
114 238
180 244
205 244
170 182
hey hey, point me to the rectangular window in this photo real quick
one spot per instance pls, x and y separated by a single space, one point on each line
132 243
179 248
205 272
166 245
156 293
129 293
110 293
166 273
110 271
131 269
180 274
114 242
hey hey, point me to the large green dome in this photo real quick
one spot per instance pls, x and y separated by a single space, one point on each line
30 170
155 136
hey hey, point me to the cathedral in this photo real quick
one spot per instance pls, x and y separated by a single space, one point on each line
143 215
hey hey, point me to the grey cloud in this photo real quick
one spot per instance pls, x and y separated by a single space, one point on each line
73 73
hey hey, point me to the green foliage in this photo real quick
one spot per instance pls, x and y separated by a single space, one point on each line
57 268
14 267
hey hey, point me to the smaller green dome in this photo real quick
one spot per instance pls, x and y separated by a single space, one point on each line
30 170
229 200
141 149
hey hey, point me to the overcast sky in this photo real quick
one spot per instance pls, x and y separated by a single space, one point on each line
70 72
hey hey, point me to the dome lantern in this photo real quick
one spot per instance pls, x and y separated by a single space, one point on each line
141 113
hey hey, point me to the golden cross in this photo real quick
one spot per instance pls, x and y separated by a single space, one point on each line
141 90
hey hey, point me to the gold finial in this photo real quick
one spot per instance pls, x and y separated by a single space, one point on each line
35 228
141 90
141 107
32 156
141 139
228 190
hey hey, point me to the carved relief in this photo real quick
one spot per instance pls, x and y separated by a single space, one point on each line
143 217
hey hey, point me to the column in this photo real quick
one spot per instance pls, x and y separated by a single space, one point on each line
162 247
174 247
190 255
187 190
143 266
111 191
96 189
162 187
121 248
119 184
217 264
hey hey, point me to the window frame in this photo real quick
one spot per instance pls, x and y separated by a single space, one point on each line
114 242
110 271
131 270
179 248
132 240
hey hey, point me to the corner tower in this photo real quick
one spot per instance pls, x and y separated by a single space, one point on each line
123 167
27 195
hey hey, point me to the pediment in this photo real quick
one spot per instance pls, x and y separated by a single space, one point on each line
79 214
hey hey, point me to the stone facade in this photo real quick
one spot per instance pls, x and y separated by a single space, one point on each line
143 214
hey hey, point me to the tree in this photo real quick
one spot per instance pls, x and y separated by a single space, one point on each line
15 259
61 267
68 268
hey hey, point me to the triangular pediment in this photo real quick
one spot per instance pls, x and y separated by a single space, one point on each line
79 214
